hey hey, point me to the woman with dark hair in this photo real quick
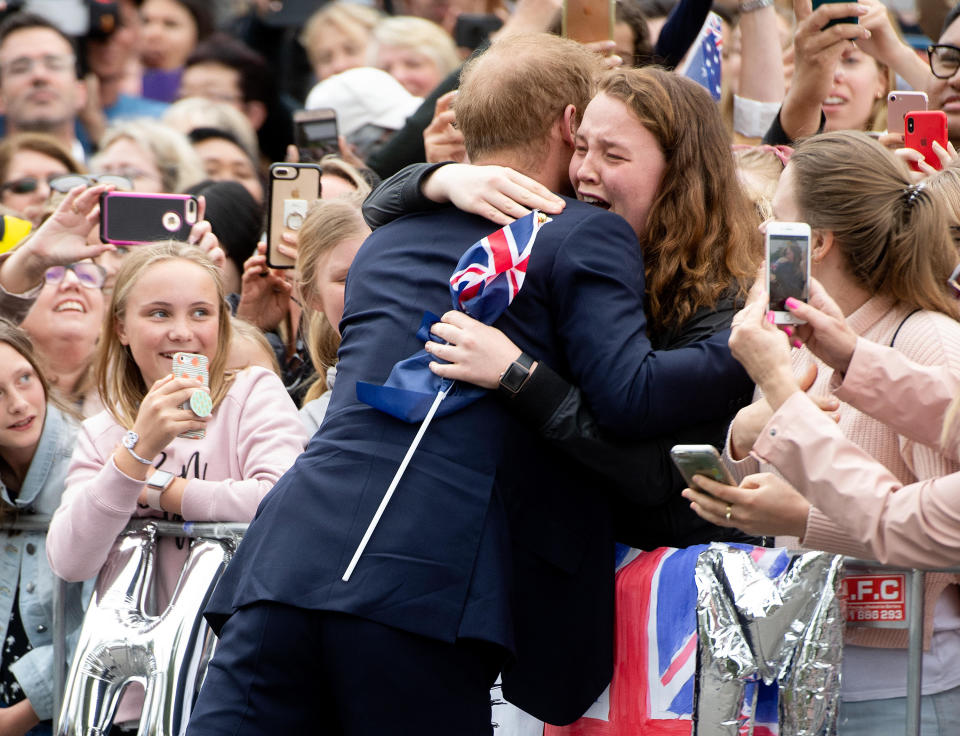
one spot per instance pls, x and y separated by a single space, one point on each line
170 31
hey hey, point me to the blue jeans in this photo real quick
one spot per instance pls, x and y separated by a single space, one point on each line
939 716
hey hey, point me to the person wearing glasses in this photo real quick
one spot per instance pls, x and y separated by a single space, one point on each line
39 88
943 89
29 162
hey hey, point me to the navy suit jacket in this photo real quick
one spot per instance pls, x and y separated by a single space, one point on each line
492 533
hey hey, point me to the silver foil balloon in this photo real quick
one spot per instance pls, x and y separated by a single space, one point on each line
121 643
788 629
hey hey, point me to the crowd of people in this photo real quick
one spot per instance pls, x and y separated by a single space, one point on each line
643 322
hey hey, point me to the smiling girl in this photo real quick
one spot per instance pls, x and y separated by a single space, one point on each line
131 461
36 439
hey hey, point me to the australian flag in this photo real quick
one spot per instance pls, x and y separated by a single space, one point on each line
485 281
703 61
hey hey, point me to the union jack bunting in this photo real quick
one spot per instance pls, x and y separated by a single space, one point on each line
491 272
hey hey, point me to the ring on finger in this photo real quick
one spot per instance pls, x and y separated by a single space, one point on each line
729 511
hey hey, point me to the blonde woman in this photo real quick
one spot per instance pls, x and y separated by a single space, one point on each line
131 459
338 37
417 53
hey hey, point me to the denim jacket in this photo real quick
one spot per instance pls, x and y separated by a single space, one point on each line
23 557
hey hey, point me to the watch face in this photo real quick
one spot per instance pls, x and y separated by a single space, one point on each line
160 479
513 377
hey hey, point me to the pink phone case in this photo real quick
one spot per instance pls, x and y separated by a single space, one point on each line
133 218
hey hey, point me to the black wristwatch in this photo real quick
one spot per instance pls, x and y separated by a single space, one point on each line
516 375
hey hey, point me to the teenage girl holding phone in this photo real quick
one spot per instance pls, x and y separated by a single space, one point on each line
131 460
37 435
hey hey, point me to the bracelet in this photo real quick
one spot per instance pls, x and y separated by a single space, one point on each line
139 459
750 5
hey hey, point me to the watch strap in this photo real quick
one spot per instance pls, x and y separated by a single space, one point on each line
153 498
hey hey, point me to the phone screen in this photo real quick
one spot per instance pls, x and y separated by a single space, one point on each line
319 130
787 256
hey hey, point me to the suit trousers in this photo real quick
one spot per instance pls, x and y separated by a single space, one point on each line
283 669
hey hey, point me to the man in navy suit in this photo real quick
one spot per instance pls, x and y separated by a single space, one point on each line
496 552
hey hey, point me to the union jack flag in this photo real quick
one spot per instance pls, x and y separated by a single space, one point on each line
655 654
491 272
703 61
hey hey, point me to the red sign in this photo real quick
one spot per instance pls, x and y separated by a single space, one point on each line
876 599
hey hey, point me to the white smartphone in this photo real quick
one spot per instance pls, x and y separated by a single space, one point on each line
788 267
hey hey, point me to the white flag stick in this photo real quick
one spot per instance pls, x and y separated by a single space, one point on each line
441 395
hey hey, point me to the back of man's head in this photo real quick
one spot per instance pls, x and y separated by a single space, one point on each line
512 95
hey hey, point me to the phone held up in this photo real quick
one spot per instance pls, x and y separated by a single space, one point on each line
132 218
293 187
788 267
587 21
315 133
195 366
836 21
703 460
899 103
921 129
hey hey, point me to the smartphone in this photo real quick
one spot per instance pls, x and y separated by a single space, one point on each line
899 103
588 20
849 19
788 267
195 366
293 188
131 218
921 129
694 460
315 133
473 29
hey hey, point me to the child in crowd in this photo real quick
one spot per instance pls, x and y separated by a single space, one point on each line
131 459
37 435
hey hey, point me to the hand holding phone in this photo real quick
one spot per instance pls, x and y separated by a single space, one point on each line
293 188
787 267
315 133
836 21
703 460
922 129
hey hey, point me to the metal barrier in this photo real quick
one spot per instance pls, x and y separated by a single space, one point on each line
235 531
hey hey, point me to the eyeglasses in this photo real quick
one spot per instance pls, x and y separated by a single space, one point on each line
954 280
65 182
90 275
944 60
23 65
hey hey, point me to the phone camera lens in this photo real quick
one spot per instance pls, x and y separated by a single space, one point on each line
910 125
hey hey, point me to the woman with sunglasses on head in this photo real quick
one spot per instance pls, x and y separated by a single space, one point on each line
37 437
29 162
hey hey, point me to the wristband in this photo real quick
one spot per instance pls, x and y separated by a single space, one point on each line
153 498
750 5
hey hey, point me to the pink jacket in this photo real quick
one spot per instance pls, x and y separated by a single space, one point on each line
924 337
915 525
254 436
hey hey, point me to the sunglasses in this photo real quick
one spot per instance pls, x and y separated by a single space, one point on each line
90 275
63 183
944 60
